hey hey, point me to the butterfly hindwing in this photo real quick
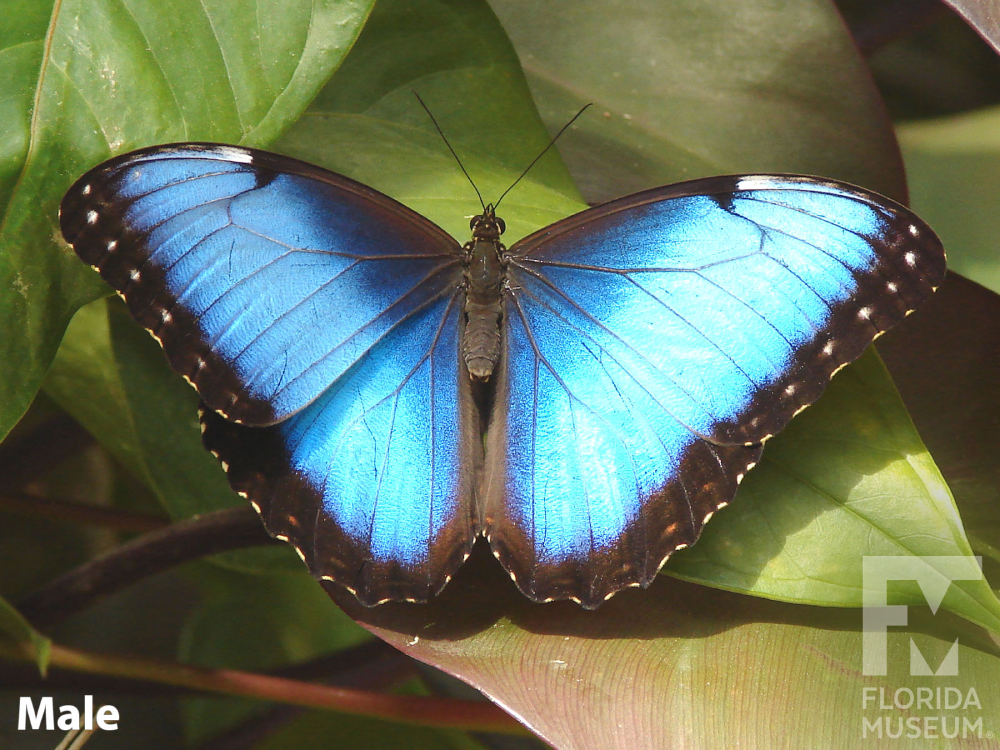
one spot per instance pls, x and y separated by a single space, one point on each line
372 483
653 344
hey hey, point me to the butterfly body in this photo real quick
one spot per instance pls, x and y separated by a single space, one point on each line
484 279
585 400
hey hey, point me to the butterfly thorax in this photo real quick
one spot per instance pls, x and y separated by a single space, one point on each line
484 271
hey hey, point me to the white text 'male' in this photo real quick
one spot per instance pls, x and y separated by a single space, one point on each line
70 717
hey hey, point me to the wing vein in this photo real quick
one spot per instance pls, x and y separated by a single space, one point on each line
625 344
406 378
569 391
436 272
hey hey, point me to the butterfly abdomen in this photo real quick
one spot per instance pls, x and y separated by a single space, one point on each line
481 340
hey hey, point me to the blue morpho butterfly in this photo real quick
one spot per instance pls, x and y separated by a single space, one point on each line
586 399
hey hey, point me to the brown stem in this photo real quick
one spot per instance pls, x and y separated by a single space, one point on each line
211 533
372 665
406 709
377 666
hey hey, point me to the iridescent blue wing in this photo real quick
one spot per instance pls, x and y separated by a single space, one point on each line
653 344
323 316
372 483
264 278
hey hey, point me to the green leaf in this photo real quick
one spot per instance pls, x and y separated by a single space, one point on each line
693 88
22 48
103 78
85 363
137 408
849 478
680 665
18 638
954 168
367 124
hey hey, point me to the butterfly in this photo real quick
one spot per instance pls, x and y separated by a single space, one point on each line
585 400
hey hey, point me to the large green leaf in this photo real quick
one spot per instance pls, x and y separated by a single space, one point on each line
367 124
692 88
85 363
22 48
143 414
679 665
847 479
87 78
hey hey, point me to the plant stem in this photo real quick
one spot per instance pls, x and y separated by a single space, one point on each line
211 533
406 709
372 665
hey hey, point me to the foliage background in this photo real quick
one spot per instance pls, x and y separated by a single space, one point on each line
756 632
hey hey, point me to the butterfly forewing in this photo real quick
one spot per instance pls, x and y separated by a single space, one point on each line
264 278
653 344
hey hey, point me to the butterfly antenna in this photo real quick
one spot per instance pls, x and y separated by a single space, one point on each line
544 151
441 132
